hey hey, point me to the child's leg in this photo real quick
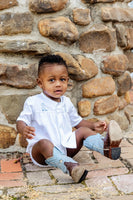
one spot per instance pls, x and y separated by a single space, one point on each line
44 152
81 134
108 146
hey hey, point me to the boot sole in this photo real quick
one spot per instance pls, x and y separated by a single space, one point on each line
115 136
115 133
83 176
79 174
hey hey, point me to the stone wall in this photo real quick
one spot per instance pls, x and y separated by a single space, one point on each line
94 37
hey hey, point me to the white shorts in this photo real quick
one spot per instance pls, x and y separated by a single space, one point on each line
33 160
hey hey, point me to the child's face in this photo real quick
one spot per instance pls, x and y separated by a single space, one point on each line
53 81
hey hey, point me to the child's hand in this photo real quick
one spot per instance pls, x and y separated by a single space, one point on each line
29 132
100 126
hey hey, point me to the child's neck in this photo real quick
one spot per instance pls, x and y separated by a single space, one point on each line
52 98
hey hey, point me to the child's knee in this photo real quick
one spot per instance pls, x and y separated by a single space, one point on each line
44 143
84 131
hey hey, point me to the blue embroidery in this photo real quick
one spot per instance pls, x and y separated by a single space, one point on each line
43 108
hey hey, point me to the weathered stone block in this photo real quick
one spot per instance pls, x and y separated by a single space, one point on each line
124 101
84 108
121 119
12 102
80 68
59 29
47 6
18 76
127 97
106 105
81 16
14 23
98 37
7 136
121 35
35 47
4 4
111 14
130 38
129 55
115 65
124 36
129 112
124 83
87 66
98 87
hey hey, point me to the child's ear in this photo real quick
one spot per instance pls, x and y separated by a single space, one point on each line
39 82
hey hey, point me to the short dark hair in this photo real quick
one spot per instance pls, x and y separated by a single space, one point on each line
50 59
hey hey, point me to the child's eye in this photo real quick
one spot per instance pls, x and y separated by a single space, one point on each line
63 79
51 80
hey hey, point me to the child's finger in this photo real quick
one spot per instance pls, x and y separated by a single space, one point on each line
30 130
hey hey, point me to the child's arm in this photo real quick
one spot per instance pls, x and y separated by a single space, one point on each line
27 131
99 126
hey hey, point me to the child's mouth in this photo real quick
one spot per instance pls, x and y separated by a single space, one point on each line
58 91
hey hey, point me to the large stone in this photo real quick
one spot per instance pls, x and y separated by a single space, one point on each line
124 83
87 66
124 36
129 112
14 23
59 29
18 76
36 47
127 97
47 6
115 65
81 16
120 118
79 68
98 87
106 105
11 103
84 108
7 136
124 101
117 14
121 36
98 37
4 4
129 55
129 38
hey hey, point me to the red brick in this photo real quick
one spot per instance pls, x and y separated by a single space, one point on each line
11 176
10 166
7 183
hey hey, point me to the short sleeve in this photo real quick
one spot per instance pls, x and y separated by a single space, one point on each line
26 114
75 118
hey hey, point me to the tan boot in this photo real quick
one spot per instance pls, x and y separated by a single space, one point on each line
112 141
77 172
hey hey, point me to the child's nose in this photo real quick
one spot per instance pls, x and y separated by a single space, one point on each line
58 83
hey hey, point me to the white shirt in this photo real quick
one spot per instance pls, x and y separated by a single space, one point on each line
52 120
